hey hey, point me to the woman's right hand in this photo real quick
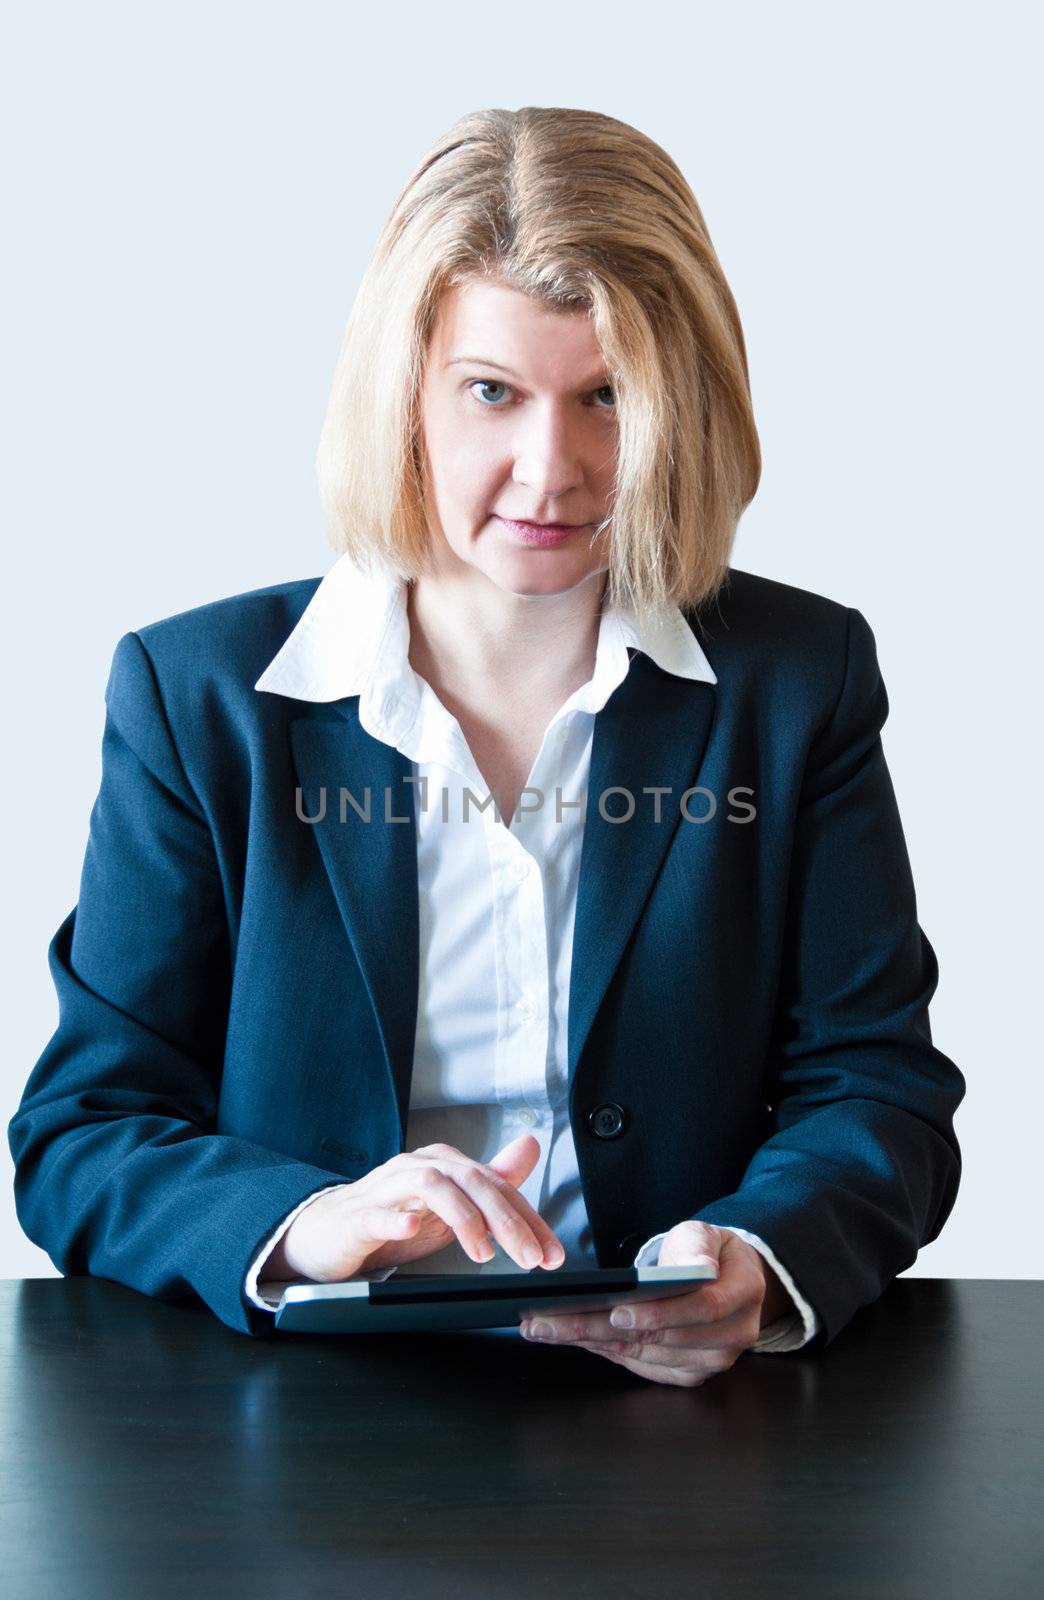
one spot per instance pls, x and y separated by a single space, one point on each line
414 1205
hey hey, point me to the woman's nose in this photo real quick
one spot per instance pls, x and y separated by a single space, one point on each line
549 452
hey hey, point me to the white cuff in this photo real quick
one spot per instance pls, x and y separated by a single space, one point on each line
791 1331
251 1289
649 1254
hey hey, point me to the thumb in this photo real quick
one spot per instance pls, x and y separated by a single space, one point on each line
517 1159
692 1244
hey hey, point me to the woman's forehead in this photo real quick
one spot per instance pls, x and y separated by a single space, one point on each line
494 324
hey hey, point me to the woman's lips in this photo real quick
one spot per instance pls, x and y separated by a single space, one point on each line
540 533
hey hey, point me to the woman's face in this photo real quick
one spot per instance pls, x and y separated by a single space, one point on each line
519 425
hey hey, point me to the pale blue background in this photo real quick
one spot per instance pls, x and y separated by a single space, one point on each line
192 194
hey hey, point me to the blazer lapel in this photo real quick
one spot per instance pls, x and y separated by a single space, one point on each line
652 732
372 867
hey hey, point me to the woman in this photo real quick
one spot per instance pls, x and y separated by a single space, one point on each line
534 879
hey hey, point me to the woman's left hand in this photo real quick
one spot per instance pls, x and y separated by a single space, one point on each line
687 1338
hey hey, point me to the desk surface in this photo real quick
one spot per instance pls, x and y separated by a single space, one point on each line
146 1449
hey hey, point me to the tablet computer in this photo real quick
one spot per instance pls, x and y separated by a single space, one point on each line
473 1300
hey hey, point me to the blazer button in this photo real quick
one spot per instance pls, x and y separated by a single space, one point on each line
606 1122
334 1147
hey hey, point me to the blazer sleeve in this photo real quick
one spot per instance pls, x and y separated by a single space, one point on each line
119 1169
862 1165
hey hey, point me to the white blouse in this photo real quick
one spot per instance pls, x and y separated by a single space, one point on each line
497 906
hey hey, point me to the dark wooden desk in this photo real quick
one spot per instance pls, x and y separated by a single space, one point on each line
148 1451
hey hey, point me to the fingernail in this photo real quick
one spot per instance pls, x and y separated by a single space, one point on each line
532 1255
541 1330
621 1318
554 1255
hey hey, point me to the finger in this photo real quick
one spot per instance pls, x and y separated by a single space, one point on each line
679 1377
699 1311
427 1186
511 1220
449 1152
707 1359
519 1155
477 1205
517 1158
595 1327
501 1201
446 1152
377 1224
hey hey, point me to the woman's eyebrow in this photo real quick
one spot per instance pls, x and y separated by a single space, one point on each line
484 361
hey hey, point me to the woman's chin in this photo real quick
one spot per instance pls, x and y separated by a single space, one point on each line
529 576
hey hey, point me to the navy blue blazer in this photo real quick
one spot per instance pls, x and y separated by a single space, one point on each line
238 987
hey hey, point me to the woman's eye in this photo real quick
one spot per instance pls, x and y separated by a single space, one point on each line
607 389
487 383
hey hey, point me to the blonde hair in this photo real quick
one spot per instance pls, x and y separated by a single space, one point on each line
582 212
